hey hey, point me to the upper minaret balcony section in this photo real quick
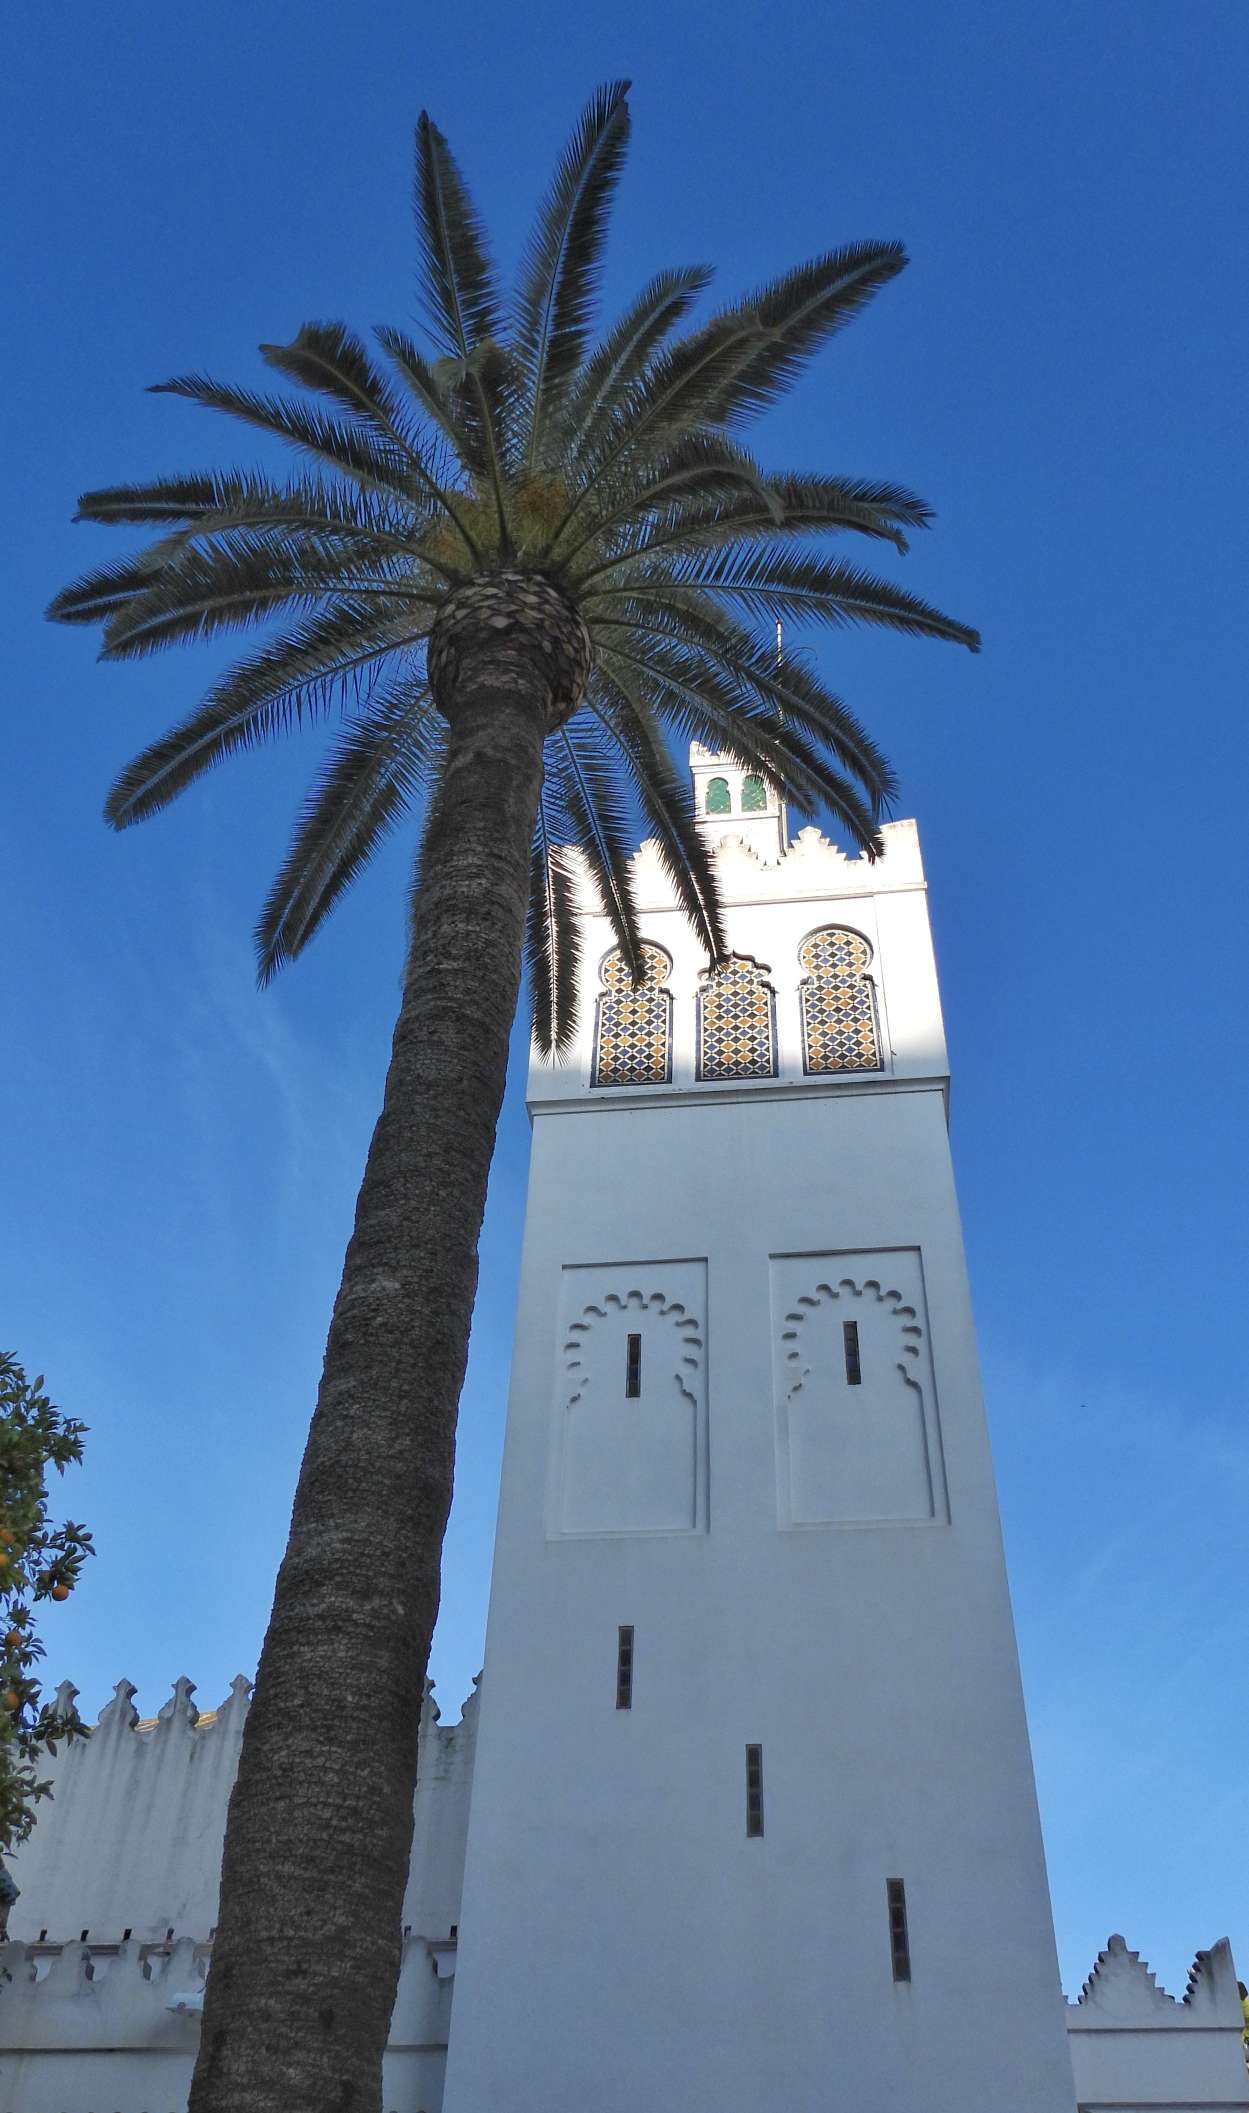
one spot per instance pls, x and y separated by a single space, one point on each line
731 801
827 985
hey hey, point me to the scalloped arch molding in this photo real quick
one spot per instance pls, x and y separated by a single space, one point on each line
621 1465
866 1453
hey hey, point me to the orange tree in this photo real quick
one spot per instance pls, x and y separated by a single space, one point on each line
38 1562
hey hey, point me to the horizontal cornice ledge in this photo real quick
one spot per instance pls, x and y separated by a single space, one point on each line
589 1100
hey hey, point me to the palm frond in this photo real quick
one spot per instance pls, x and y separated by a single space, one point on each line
425 382
484 390
796 504
771 581
243 577
699 470
696 702
241 498
553 950
100 594
696 699
348 447
599 814
171 499
603 385
378 447
844 799
292 679
552 938
813 502
798 313
669 636
459 297
674 398
383 764
562 264
331 359
625 704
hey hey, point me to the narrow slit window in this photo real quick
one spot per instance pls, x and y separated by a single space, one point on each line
754 1790
899 1939
850 1341
624 1667
633 1367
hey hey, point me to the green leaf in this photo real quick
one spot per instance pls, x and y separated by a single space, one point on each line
458 290
383 764
563 262
302 675
602 388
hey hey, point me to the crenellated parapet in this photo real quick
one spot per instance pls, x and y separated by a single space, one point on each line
128 1847
810 864
1133 2045
130 1841
102 1983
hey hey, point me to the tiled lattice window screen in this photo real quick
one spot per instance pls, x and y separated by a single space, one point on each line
633 1041
736 1037
839 1031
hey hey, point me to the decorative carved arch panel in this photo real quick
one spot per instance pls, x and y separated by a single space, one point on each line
858 1433
629 1443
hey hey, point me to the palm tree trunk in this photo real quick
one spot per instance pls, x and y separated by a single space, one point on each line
320 1826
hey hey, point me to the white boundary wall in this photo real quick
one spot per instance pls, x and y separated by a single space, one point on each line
102 1981
1135 2049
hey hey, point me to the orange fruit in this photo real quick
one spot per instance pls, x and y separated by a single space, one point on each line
12 1700
13 1639
6 1536
5 1560
60 1591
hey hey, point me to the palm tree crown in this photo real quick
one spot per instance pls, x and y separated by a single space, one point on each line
603 481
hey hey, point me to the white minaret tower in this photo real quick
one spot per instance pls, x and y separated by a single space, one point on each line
753 1824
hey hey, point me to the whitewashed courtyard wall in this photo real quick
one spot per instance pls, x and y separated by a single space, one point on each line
102 1980
88 2029
1136 2049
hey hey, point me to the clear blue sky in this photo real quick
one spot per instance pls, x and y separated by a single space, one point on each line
1062 373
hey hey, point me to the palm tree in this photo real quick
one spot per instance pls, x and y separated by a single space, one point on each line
521 561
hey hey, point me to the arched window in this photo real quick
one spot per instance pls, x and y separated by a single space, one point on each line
718 799
838 1003
633 1030
736 1028
754 795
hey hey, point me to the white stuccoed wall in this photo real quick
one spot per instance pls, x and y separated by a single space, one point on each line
1136 2049
131 1838
623 1943
128 1851
115 2029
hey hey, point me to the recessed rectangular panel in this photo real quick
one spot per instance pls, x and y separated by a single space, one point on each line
629 1423
857 1426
